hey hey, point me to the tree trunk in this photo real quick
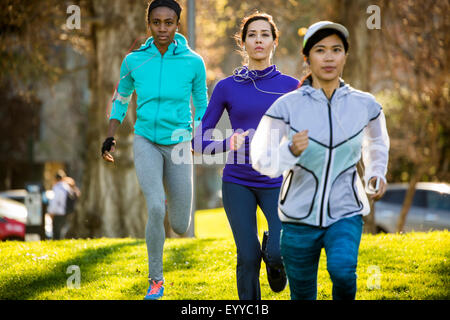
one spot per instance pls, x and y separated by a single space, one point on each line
352 14
8 175
408 200
112 204
369 220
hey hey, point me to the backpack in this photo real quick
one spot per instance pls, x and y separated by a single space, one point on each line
71 200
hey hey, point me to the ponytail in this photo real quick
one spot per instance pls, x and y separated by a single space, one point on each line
303 79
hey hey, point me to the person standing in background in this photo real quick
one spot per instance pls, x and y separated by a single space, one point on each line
57 205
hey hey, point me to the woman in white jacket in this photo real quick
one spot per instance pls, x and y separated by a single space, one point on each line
315 136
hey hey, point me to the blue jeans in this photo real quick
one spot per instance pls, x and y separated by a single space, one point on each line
301 246
240 204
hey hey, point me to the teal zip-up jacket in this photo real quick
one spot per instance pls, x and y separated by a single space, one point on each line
164 86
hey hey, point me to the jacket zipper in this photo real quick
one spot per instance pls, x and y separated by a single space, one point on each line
330 149
159 99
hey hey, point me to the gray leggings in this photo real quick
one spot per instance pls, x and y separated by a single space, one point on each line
161 175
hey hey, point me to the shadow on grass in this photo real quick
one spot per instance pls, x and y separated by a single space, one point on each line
185 256
30 285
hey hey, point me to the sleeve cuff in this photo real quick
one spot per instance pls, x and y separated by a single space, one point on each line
371 175
286 153
120 119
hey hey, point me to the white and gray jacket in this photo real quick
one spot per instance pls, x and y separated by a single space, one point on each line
322 185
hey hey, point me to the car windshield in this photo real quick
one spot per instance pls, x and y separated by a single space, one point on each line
439 201
398 196
394 196
420 199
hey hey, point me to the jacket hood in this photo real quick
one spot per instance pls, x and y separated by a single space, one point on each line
243 73
178 45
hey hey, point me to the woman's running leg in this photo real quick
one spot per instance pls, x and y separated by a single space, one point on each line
178 182
268 202
149 169
240 206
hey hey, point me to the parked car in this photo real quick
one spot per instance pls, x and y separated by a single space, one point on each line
19 196
430 209
13 217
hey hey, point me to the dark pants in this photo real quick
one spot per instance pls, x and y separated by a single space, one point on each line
240 203
58 223
301 246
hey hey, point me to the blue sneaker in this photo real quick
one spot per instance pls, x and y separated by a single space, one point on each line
155 291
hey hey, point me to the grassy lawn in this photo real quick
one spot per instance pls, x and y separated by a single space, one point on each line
390 266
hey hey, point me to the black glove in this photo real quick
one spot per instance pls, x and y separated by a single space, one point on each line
108 144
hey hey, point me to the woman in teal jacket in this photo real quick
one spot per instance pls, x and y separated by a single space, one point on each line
165 73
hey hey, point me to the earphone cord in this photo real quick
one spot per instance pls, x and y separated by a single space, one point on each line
240 76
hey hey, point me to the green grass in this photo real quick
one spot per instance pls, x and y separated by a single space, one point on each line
410 266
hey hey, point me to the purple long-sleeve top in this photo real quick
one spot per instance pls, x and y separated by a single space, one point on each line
246 101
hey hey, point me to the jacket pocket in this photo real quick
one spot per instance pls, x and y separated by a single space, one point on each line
285 186
344 198
298 193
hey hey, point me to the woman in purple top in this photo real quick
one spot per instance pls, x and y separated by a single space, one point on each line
246 95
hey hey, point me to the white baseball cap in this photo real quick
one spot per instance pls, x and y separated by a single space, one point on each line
324 25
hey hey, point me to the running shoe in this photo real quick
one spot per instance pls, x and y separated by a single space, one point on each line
276 275
155 291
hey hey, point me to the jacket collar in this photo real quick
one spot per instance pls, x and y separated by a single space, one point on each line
178 45
318 94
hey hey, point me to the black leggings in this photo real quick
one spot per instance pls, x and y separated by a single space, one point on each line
240 203
58 223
